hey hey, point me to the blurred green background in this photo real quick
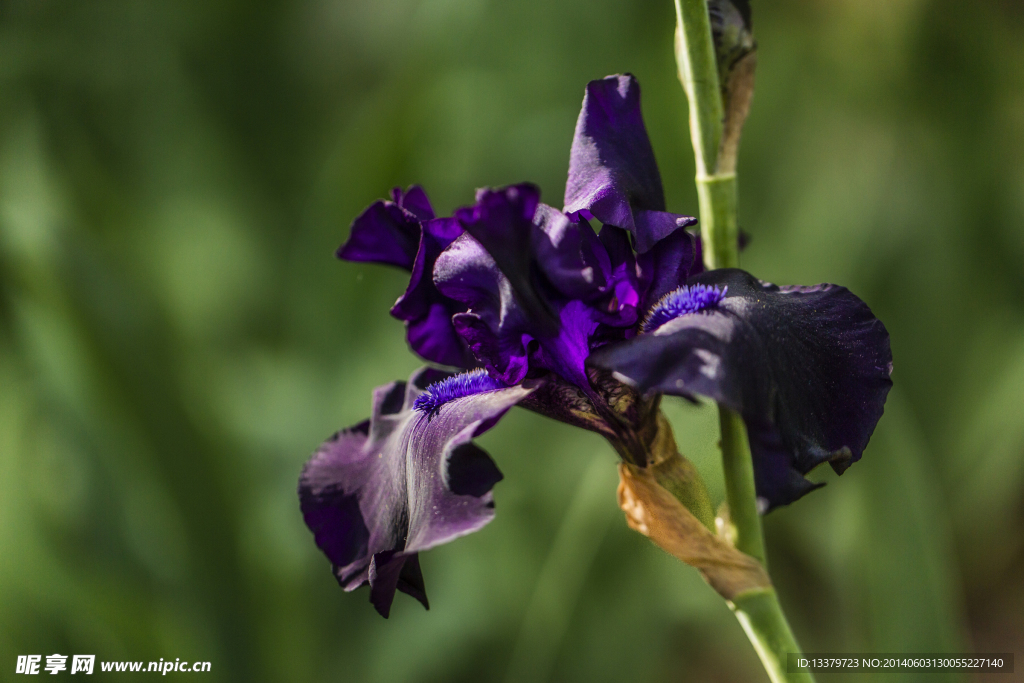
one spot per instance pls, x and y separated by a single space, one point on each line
176 336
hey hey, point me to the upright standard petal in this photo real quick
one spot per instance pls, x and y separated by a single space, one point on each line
807 368
502 222
612 171
404 481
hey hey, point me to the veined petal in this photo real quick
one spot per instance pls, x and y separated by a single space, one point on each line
807 368
406 480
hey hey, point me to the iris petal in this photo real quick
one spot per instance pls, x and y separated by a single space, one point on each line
668 265
426 312
404 233
612 172
388 232
807 368
377 494
536 285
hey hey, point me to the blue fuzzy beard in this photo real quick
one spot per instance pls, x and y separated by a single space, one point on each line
683 301
456 386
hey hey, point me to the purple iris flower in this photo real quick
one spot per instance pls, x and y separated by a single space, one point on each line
587 326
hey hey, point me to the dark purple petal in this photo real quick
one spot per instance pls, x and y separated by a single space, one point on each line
426 312
620 309
388 232
384 233
668 265
536 285
496 328
654 226
433 337
566 352
568 254
403 232
414 201
807 368
611 154
407 480
612 171
502 222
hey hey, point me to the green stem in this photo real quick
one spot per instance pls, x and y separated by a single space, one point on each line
738 468
762 619
719 233
758 611
698 70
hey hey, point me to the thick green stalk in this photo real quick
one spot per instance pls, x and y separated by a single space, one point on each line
759 611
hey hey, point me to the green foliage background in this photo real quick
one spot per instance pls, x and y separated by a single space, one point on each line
176 336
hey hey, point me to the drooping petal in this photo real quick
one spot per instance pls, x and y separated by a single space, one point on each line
388 232
612 171
406 480
807 368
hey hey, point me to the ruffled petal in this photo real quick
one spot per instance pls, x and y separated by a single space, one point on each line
406 480
415 201
807 367
502 222
612 172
